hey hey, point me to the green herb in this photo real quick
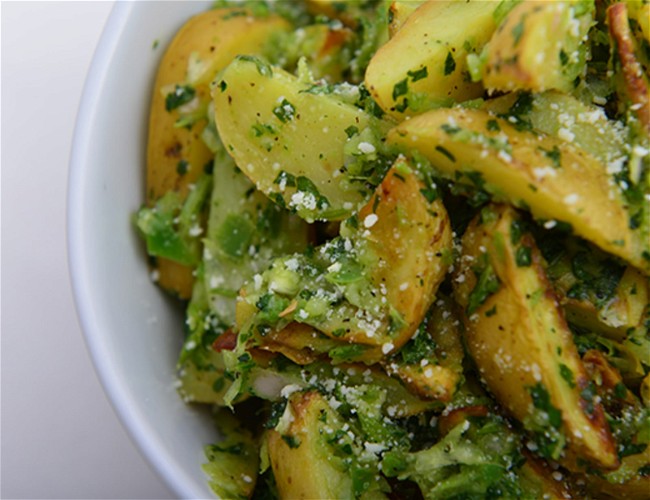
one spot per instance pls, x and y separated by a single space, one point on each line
346 353
351 131
400 88
493 125
285 178
306 185
270 306
292 441
564 58
549 418
567 375
263 68
450 64
625 450
182 167
430 193
260 129
450 129
285 111
518 31
446 153
182 94
421 346
402 106
487 284
554 154
523 256
418 74
620 391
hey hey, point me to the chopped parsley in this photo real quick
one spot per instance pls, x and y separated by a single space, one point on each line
182 94
450 64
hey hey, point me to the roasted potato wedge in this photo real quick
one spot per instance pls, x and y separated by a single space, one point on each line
284 147
176 156
566 118
424 65
387 288
552 178
410 279
210 40
521 344
304 463
538 47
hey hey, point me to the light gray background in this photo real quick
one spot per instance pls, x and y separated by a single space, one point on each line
59 436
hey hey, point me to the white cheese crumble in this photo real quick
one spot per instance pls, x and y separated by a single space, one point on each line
289 389
370 220
565 134
387 347
300 199
366 148
571 199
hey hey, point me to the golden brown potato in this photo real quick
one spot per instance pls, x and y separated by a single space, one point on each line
210 40
537 47
563 116
411 249
552 178
424 65
303 463
398 281
521 344
289 141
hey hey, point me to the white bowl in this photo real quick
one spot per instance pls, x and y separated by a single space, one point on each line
132 330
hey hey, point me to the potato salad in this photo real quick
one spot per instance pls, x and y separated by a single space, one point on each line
412 243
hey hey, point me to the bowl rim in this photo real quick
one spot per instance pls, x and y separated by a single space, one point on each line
146 440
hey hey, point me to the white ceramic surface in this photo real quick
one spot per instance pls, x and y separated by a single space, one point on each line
133 332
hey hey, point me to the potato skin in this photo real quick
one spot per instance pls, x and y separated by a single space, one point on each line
519 339
271 123
411 277
524 51
569 185
216 38
428 56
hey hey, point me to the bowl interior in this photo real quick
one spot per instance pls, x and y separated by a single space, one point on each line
133 331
